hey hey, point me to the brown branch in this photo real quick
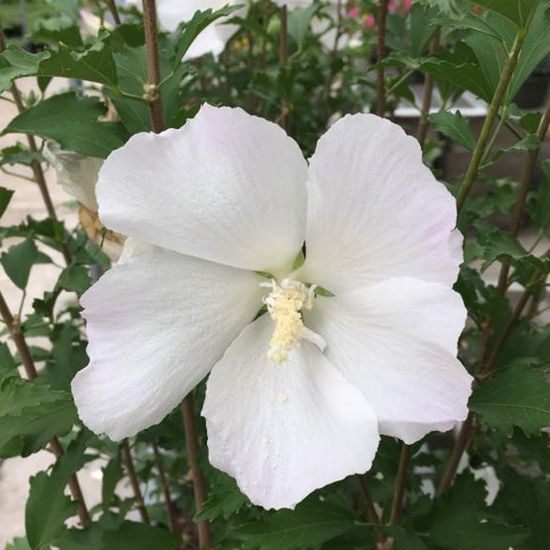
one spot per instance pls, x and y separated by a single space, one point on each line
114 11
170 512
151 91
400 483
372 514
131 471
380 48
283 59
36 167
525 183
199 486
465 436
12 323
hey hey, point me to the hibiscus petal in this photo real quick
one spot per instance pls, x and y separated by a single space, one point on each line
284 430
375 211
156 325
396 341
226 187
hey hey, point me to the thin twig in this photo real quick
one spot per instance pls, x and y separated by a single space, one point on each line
486 367
400 483
131 471
170 512
27 361
36 167
525 183
485 133
380 48
199 486
372 514
114 11
283 59
427 93
151 91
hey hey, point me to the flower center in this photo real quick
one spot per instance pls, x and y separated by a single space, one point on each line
285 304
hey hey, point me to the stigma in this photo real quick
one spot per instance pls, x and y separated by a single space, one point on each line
285 304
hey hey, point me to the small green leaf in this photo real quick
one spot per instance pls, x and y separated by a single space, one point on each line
455 127
112 474
5 198
75 278
95 64
44 524
74 123
224 498
31 414
138 536
18 261
16 62
298 22
462 520
308 526
517 11
18 543
18 154
517 396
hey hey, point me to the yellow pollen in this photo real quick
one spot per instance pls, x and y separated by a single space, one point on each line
285 303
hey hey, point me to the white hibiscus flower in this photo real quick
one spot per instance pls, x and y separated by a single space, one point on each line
298 396
212 39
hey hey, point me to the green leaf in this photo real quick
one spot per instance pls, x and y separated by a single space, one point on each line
517 11
16 62
18 154
5 198
57 29
187 32
7 362
18 261
224 498
517 396
72 122
308 526
298 23
527 501
18 543
138 536
541 215
455 127
75 278
95 64
461 520
112 474
48 507
30 415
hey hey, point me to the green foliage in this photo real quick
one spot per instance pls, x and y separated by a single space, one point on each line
18 261
309 525
455 127
45 524
74 123
518 396
31 414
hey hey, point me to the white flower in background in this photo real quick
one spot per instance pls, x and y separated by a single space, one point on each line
76 173
212 39
297 397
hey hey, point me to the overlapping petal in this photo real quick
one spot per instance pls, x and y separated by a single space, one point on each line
226 187
156 325
284 430
396 341
375 211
